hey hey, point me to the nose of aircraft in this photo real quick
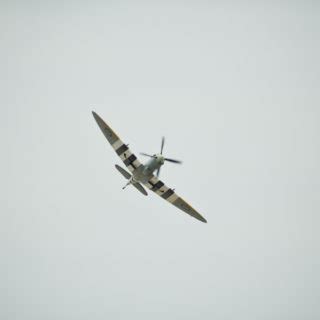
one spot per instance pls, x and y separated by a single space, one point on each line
160 158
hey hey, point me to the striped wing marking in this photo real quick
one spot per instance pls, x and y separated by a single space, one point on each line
122 150
158 187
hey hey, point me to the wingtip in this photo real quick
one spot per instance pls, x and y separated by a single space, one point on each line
202 219
96 117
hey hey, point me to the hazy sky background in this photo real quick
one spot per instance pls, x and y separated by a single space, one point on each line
234 86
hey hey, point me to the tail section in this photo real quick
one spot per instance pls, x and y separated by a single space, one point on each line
128 176
139 187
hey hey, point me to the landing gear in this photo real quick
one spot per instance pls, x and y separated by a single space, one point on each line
128 184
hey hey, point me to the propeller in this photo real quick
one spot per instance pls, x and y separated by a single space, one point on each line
165 159
162 144
147 155
173 160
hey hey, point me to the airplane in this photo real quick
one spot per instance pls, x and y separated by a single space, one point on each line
142 174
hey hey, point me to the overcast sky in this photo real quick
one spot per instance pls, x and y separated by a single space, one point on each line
234 87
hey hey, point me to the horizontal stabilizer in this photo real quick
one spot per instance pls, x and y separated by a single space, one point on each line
140 188
126 174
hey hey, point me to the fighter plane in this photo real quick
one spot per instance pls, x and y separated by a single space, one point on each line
143 174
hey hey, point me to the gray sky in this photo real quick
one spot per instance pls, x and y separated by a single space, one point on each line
234 86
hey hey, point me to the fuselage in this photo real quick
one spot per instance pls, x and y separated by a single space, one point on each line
145 172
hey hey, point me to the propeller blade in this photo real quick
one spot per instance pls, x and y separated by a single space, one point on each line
162 144
173 160
158 172
147 155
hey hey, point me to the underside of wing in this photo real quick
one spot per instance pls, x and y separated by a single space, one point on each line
158 187
122 150
184 206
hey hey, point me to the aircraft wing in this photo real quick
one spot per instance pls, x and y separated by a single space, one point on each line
158 187
122 150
